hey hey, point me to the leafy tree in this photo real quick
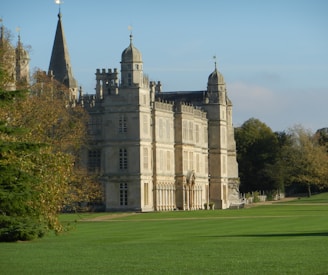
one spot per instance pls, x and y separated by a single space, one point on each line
306 159
257 153
7 61
321 136
40 136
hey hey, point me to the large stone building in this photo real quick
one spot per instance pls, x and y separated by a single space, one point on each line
155 150
160 150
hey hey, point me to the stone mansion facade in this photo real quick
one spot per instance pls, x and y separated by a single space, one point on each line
160 151
153 150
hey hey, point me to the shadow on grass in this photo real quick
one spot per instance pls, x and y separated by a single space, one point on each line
266 235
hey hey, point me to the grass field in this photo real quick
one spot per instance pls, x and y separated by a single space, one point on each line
282 238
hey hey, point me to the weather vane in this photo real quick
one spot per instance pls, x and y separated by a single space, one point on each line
59 2
214 58
18 29
130 29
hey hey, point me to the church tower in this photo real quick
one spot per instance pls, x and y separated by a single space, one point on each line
60 64
22 64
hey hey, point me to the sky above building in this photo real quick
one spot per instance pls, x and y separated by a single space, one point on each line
273 54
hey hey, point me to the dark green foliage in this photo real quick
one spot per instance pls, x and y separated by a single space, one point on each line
272 161
23 228
322 137
18 219
6 96
37 138
306 159
258 150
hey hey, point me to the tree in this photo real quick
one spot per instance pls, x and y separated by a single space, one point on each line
321 136
41 132
7 61
257 154
306 159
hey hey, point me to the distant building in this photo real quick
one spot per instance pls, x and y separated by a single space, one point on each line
154 150
15 61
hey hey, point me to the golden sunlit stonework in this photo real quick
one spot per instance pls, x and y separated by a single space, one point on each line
153 150
160 151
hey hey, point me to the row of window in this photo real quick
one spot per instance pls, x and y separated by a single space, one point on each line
130 67
94 160
165 128
200 165
165 160
191 133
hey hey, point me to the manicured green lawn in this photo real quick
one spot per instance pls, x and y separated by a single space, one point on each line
319 198
269 239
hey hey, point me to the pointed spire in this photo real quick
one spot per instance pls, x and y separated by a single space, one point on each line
60 63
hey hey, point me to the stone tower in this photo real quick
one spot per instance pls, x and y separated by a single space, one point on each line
22 64
223 166
15 62
126 138
60 64
131 67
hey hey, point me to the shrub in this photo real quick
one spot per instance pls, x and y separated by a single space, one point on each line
20 228
256 196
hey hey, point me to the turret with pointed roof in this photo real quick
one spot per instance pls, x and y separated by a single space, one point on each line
60 64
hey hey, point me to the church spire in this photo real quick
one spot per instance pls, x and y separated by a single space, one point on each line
60 64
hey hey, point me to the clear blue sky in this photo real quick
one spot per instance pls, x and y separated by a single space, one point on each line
273 54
